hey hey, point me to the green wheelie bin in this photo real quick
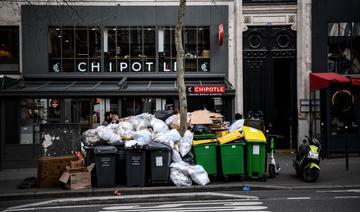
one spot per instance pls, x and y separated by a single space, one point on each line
232 159
206 156
255 152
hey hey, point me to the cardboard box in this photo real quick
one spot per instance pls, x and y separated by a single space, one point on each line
77 178
50 169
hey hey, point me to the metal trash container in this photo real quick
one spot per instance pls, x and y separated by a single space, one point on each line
105 157
120 164
159 159
135 166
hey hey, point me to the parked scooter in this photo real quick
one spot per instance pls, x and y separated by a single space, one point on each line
274 168
307 159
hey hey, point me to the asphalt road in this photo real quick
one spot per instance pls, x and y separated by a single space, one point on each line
261 200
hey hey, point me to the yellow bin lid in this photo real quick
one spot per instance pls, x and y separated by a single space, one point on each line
253 135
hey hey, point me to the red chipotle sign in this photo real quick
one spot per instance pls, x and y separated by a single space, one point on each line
206 90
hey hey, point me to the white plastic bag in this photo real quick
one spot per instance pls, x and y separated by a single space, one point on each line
142 137
168 138
176 157
199 175
113 127
115 138
185 143
90 137
237 125
170 120
159 126
179 174
104 132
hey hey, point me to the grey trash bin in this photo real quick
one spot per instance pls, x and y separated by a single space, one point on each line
120 164
159 159
135 166
105 157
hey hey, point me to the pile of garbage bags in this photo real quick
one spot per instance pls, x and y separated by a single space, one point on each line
140 130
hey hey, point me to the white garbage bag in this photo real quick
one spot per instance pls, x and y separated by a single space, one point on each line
142 137
170 120
159 126
113 127
90 137
125 130
199 175
176 157
168 138
185 143
179 174
104 132
237 125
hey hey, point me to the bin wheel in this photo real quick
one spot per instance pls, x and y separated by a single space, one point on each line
272 172
264 179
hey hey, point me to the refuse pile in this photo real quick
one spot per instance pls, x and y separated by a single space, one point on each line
138 131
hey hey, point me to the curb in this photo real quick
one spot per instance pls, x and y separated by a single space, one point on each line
159 190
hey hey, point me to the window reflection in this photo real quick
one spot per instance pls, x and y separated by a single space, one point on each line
344 48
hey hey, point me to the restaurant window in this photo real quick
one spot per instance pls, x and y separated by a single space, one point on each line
196 41
126 49
344 47
33 112
74 49
9 49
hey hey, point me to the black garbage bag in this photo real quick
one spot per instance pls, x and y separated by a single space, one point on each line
163 114
200 129
189 158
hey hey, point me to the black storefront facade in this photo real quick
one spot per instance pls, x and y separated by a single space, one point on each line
336 48
82 63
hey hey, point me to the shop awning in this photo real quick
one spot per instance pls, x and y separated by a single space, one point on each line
122 87
322 80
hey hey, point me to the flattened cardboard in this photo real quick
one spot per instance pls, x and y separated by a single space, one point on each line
200 117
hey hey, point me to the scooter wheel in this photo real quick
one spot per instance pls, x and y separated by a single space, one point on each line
311 174
272 172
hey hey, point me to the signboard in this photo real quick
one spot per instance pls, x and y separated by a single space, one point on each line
54 103
206 90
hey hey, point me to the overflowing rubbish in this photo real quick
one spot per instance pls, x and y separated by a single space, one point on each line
148 149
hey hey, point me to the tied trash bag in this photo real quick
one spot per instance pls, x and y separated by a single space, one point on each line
199 175
159 126
142 137
170 120
125 130
168 138
185 143
179 174
108 135
90 138
200 129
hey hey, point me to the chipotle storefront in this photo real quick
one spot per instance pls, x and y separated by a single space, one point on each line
109 60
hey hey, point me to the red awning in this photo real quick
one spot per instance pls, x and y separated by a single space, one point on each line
322 80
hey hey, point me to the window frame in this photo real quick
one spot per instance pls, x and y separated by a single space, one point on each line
11 67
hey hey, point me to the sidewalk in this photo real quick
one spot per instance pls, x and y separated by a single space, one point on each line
333 175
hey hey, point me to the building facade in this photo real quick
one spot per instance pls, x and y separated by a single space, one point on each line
76 63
